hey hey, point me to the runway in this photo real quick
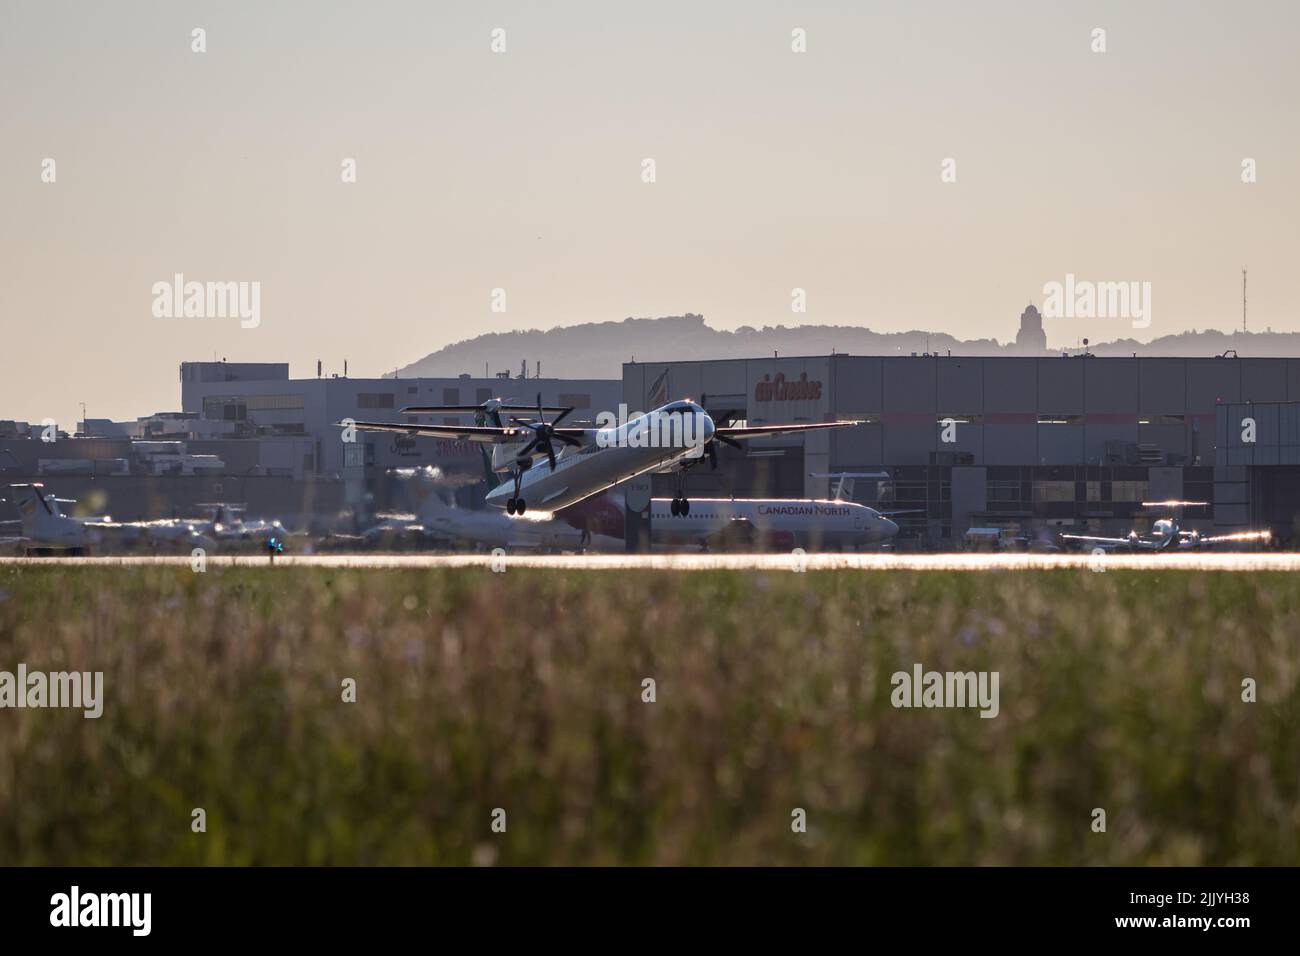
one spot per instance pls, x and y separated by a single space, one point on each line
1254 561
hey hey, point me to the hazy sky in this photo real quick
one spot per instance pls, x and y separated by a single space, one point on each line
523 170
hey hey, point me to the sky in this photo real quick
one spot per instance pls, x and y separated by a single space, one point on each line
524 171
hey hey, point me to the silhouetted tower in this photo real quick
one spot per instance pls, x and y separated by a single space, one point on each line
1031 339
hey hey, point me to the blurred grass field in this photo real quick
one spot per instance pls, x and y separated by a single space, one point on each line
523 691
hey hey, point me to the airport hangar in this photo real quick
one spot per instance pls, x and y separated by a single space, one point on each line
1037 444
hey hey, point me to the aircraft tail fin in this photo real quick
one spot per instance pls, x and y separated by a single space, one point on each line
37 510
432 506
843 490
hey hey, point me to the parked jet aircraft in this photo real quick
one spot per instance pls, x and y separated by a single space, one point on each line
750 523
46 530
672 438
227 524
770 522
491 528
1166 534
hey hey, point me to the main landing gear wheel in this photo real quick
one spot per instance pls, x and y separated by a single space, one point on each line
680 507
516 506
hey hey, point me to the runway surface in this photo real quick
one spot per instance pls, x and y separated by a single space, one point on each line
1260 561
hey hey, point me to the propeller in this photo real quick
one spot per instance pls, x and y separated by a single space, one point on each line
544 432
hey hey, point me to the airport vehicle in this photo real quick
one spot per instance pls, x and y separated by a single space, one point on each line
47 530
1166 534
670 439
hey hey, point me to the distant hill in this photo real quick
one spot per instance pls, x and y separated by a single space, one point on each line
599 349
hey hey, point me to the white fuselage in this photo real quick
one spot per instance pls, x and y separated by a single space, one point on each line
497 530
806 523
615 455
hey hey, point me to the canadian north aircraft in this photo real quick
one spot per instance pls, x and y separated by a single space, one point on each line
1166 534
672 438
837 523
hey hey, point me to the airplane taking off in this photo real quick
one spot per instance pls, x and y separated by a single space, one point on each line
47 530
1166 534
672 438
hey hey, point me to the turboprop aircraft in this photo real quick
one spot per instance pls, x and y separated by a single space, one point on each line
1166 534
670 439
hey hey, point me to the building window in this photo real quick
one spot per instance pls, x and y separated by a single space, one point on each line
451 396
575 399
1128 490
352 455
268 403
375 400
1003 490
482 395
221 409
1053 491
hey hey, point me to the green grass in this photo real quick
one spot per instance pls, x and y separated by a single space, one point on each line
522 690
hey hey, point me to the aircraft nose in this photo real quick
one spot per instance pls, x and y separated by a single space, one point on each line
707 425
888 528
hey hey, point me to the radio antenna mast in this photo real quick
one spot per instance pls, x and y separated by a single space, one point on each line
1243 298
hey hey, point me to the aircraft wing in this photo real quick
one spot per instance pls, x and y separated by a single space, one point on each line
1238 536
759 431
1097 542
475 409
483 434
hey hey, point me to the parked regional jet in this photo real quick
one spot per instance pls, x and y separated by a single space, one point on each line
751 523
672 438
227 524
814 524
493 529
1166 535
47 530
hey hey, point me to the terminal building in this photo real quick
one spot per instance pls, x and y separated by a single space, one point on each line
249 434
262 398
1032 445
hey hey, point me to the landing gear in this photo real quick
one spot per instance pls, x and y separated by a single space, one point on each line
681 506
516 505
